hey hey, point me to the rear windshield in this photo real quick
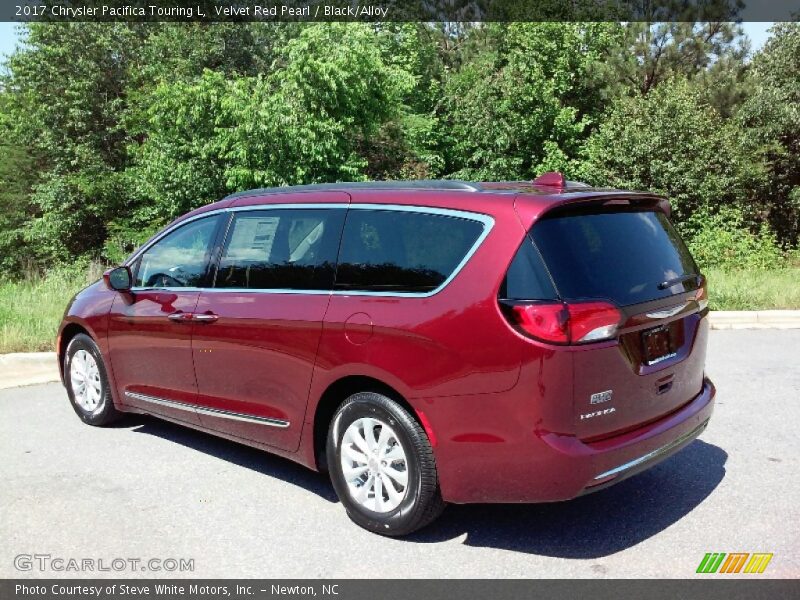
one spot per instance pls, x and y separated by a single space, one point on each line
627 257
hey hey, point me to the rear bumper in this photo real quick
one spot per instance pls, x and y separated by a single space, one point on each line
643 462
547 467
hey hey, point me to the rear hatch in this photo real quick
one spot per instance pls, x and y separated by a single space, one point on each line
626 298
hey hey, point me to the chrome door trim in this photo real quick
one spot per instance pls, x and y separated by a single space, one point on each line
486 220
234 416
160 401
211 412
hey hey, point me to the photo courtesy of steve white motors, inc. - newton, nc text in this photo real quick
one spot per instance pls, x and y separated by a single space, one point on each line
399 299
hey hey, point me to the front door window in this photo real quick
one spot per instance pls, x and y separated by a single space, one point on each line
179 259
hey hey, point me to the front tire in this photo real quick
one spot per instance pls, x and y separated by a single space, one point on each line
87 382
382 466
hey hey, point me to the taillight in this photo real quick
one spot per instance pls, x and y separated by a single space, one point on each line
701 295
563 323
593 321
546 322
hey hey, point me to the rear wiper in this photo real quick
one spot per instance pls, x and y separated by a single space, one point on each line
670 282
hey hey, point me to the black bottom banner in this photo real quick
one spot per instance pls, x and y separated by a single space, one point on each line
396 589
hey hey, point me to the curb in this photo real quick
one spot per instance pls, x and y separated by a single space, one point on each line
755 319
29 368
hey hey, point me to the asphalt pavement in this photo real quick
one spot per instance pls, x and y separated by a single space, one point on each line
147 489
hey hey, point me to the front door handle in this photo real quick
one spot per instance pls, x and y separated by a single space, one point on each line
205 317
180 317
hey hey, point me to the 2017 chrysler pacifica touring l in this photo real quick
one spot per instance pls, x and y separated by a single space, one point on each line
423 342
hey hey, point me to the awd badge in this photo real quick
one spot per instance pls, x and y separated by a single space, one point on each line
600 397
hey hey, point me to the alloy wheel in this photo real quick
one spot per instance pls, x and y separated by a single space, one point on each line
84 377
374 465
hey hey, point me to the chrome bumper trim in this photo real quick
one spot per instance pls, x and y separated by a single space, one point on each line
657 452
211 412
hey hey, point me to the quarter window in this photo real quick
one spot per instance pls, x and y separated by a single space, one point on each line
527 277
179 259
402 251
281 249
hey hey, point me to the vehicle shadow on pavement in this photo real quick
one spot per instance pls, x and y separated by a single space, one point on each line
594 525
235 453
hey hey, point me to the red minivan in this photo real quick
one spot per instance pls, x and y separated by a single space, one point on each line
423 342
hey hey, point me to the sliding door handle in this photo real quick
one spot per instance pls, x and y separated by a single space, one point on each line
184 317
205 317
181 317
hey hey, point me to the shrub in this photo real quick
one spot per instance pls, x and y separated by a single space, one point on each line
722 241
673 142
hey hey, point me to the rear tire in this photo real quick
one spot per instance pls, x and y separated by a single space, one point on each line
87 383
382 466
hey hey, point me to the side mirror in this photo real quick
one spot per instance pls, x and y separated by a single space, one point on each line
119 278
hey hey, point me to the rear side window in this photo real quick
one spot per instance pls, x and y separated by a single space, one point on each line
402 251
625 257
281 249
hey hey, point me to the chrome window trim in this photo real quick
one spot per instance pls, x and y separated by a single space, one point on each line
486 220
150 243
212 412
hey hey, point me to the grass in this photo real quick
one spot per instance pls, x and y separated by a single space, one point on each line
754 290
30 311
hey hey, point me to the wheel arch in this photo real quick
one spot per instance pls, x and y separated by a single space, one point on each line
66 335
339 391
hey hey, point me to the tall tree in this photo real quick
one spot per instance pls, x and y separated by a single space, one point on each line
771 118
674 142
649 53
527 99
67 95
305 121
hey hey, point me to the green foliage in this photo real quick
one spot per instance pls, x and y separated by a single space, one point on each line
650 53
125 236
109 130
73 212
721 241
16 176
771 118
673 142
412 144
31 309
182 51
524 103
302 123
68 83
64 99
178 167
